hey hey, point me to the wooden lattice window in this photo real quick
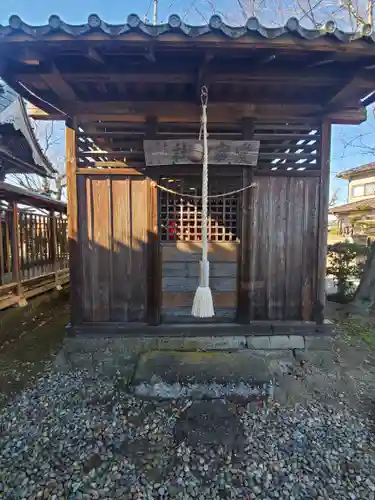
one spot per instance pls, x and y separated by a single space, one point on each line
181 217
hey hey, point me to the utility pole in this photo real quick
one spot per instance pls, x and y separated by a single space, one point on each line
370 13
155 16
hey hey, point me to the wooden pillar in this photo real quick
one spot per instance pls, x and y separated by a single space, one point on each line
8 226
74 253
2 260
325 154
15 246
153 245
53 249
244 298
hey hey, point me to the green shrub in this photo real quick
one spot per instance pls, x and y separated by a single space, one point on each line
345 265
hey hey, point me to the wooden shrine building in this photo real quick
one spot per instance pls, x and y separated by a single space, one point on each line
134 246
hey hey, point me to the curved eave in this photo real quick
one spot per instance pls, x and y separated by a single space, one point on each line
20 166
33 141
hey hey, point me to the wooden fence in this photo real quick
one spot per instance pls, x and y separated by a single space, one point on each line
33 253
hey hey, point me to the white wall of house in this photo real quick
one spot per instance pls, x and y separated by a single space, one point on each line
362 187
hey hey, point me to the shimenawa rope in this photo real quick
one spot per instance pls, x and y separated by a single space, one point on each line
203 305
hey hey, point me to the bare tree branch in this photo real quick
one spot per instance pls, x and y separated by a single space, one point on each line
349 14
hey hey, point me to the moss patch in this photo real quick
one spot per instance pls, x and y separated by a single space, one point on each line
355 331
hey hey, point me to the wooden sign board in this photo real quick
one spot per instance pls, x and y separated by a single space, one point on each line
177 152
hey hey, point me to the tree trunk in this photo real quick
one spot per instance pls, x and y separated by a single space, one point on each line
366 289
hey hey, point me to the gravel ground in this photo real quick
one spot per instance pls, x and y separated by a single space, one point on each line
72 436
75 436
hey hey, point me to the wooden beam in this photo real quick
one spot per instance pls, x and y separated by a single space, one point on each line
26 55
150 55
109 171
30 57
34 98
325 155
110 164
184 69
180 112
203 77
37 113
347 116
322 60
345 93
94 55
213 41
59 85
171 75
264 60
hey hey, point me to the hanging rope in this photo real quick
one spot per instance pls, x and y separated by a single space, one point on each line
197 197
203 304
204 99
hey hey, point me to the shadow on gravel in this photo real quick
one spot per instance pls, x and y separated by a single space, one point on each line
29 337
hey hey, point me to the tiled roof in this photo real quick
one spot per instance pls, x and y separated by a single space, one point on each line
176 25
13 112
7 95
354 206
346 174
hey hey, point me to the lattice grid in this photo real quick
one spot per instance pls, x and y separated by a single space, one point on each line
181 217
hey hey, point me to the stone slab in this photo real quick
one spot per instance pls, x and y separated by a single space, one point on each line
258 342
218 343
275 342
172 374
287 342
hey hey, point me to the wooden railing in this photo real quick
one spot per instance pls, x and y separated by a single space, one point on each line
33 253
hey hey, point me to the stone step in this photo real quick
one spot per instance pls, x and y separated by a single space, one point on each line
244 375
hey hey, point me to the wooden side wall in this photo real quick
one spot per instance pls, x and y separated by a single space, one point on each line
113 231
283 244
121 271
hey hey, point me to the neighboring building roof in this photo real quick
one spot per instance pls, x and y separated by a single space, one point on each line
24 151
353 172
7 96
9 192
355 206
176 25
